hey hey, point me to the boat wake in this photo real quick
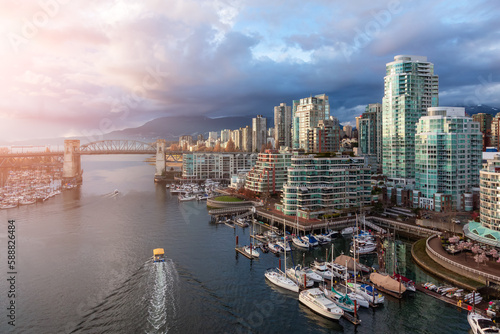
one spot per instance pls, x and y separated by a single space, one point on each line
111 194
163 279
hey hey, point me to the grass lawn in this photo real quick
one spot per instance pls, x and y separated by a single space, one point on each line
228 199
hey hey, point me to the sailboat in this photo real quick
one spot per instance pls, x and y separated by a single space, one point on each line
278 277
296 240
341 300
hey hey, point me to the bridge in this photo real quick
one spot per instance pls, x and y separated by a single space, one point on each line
70 158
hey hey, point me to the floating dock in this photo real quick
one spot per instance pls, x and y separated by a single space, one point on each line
351 318
245 254
463 305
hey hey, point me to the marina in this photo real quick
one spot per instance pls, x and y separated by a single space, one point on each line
191 288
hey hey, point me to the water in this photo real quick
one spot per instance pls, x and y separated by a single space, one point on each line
84 266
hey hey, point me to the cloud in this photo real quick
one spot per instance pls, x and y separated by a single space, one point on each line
81 64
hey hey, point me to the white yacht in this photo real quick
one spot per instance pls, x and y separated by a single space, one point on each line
310 274
250 250
284 245
482 325
298 242
348 231
277 277
363 247
321 269
366 291
315 299
297 275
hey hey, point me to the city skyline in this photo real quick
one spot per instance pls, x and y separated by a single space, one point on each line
73 68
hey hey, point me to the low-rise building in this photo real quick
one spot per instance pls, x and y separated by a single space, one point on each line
323 185
269 173
198 166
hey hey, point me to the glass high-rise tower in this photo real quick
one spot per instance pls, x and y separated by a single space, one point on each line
410 87
448 148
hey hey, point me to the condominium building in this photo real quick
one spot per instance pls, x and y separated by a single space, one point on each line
369 126
283 125
448 156
484 121
199 166
225 135
490 195
322 185
259 132
246 139
269 173
324 138
487 230
410 87
495 131
347 130
307 113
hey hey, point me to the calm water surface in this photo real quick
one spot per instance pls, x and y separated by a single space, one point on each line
84 267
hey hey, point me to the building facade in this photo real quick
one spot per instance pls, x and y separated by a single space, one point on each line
369 126
246 139
259 132
269 173
323 138
484 121
307 113
495 131
283 126
198 166
410 87
318 186
490 195
448 155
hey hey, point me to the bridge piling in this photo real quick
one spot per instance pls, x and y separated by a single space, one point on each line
72 164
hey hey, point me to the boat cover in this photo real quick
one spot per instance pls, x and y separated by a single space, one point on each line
386 282
341 259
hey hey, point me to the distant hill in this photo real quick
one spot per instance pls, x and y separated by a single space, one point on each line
171 128
481 108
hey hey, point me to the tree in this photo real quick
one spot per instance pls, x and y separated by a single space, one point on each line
201 147
263 148
217 148
174 147
230 147
269 146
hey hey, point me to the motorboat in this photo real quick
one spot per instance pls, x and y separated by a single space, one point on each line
408 283
264 248
321 269
298 242
313 242
368 292
250 250
284 245
273 247
337 270
310 274
481 324
348 231
158 255
316 300
187 197
322 240
297 275
277 277
241 222
363 247
333 234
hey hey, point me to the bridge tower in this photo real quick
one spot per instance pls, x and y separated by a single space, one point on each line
160 159
72 165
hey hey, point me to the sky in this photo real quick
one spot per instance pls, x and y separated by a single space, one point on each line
84 68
